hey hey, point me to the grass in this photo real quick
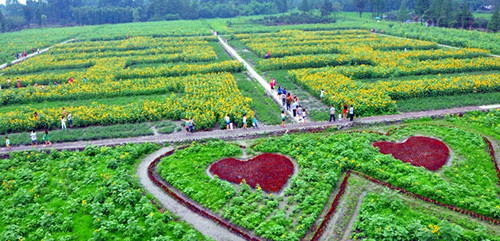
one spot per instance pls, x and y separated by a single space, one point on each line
266 111
219 51
165 127
84 134
245 54
443 102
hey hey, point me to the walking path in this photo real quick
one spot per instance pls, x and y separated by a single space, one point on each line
251 132
255 75
17 61
204 225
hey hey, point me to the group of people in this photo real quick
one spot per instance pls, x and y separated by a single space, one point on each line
18 83
9 84
289 102
229 124
292 103
346 110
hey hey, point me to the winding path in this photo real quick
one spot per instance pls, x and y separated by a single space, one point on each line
200 223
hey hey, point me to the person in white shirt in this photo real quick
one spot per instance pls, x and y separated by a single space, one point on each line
332 113
63 122
33 139
351 113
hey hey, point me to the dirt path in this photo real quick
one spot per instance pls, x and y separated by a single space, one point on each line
17 61
348 230
200 223
253 74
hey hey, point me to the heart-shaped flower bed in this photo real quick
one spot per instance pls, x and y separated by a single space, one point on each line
270 171
418 150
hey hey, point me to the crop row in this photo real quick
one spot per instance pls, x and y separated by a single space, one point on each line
205 99
138 43
180 69
43 63
97 90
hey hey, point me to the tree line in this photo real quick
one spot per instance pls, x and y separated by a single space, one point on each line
39 13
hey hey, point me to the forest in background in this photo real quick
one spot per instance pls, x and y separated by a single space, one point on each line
43 13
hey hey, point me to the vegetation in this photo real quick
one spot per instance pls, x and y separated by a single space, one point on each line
81 195
469 183
84 134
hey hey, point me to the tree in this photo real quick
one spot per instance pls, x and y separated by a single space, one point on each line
282 5
28 11
3 23
494 24
464 17
336 7
403 12
304 6
377 7
445 12
326 8
360 5
421 7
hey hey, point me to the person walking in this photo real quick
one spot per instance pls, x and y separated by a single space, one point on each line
345 110
46 138
186 125
279 90
8 82
63 122
332 113
18 83
289 100
36 116
283 117
283 99
351 113
191 125
33 139
70 121
228 121
299 112
255 123
272 83
84 79
7 142
294 108
322 94
244 121
304 116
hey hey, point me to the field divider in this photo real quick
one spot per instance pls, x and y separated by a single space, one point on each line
438 44
251 71
17 61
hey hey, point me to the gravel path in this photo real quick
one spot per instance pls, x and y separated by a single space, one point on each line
251 132
253 74
200 223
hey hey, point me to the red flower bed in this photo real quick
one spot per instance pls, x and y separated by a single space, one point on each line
270 171
417 150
